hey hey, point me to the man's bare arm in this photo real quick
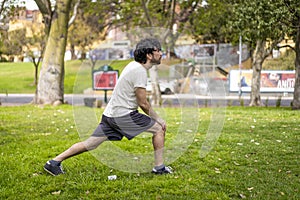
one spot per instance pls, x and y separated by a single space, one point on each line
141 96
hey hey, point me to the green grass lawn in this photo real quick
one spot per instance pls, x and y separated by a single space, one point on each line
256 157
19 77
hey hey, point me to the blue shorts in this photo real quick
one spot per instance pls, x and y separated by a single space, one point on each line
131 125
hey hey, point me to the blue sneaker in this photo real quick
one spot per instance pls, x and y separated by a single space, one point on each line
164 170
53 169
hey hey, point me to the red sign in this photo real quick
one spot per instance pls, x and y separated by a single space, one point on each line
105 80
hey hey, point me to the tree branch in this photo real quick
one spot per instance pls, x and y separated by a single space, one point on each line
2 6
185 14
147 13
72 19
292 10
287 45
273 45
45 8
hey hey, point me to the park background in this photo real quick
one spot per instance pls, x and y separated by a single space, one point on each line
255 157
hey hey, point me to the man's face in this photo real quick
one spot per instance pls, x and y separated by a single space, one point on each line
157 55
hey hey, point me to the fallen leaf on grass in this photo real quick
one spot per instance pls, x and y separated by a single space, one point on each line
250 188
242 196
236 163
35 174
56 192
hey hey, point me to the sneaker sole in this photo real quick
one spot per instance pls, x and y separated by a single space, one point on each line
49 172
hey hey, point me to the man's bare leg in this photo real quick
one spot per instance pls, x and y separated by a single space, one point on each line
54 166
80 147
158 141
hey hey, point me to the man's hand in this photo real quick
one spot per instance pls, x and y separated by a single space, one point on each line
162 123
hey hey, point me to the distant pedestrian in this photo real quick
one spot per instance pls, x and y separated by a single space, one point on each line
121 117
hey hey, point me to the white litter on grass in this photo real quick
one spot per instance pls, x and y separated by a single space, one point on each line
112 177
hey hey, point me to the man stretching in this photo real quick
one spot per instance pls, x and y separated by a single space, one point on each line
121 117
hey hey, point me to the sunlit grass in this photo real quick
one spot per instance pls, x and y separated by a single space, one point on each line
256 157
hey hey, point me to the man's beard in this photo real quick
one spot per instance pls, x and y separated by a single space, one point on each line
156 61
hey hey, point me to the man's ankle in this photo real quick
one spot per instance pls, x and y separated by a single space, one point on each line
54 162
159 167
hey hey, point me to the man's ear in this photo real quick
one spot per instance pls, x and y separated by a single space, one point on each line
149 56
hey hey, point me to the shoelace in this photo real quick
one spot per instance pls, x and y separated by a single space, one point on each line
61 168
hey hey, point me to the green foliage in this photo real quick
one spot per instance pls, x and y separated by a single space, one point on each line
284 62
258 20
291 16
14 42
210 22
256 157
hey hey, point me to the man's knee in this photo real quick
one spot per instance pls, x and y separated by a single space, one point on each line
93 142
157 129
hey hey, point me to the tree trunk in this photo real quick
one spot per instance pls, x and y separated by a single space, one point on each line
258 58
72 50
51 80
296 99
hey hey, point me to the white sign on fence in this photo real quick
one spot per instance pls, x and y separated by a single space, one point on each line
271 81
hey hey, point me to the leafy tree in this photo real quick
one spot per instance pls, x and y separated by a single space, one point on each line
257 21
57 21
90 26
80 35
210 22
35 46
263 24
13 42
8 42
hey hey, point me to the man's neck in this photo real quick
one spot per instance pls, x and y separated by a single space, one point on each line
147 65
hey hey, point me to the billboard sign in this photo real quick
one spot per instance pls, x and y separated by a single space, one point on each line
104 80
271 81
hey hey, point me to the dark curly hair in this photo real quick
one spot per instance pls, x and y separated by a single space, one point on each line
144 47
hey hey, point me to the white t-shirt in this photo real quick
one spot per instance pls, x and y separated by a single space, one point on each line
123 99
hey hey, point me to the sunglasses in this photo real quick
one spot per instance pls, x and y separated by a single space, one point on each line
158 50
